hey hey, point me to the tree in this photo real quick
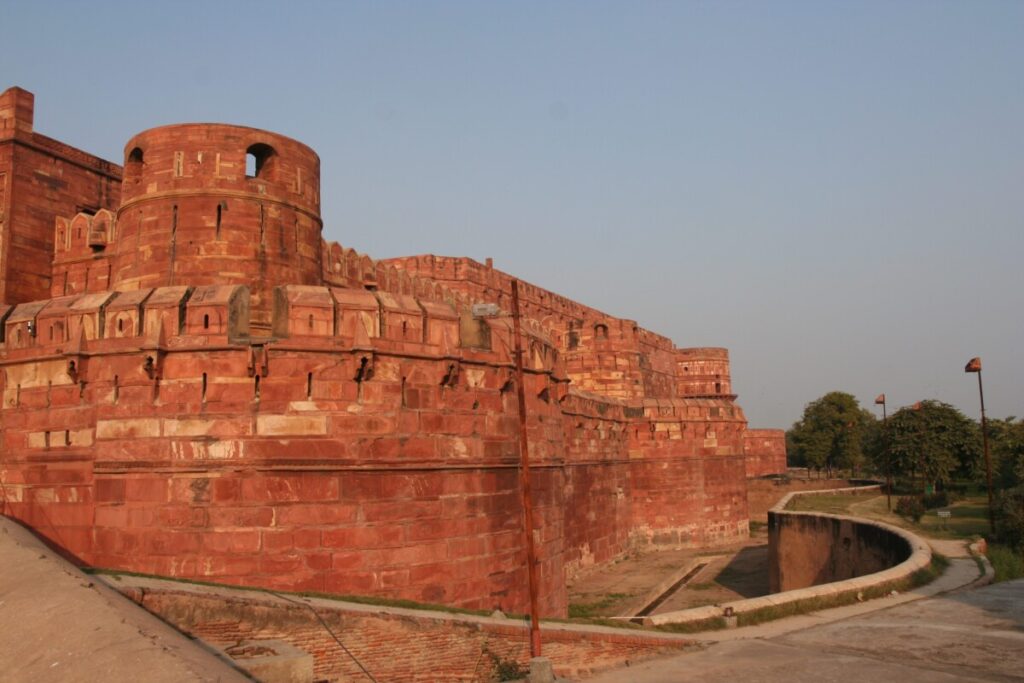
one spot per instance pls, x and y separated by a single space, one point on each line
936 441
1006 438
829 434
1007 443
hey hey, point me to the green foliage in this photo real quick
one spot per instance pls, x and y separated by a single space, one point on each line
939 499
910 507
829 434
934 440
1009 517
1007 562
506 669
1006 439
589 610
709 624
832 503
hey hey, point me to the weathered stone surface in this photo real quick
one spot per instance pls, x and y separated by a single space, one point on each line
214 392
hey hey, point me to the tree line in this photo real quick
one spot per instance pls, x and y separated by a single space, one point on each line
929 445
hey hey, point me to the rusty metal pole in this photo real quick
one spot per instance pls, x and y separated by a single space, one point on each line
988 460
888 457
524 477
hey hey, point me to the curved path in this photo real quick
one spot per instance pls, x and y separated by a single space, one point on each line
948 630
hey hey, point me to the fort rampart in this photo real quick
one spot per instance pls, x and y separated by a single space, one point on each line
214 392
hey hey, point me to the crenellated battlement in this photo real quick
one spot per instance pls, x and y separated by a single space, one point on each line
212 391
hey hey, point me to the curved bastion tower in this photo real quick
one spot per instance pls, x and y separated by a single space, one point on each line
194 384
192 212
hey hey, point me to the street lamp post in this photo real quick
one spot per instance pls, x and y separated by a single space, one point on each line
974 365
880 400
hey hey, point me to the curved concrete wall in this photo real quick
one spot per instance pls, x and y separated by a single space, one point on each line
809 550
803 545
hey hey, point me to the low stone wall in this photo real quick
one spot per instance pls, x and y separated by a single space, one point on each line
764 493
819 548
393 644
808 549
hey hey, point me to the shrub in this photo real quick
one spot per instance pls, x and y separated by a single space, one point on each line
958 490
1006 562
508 669
910 507
1009 517
939 499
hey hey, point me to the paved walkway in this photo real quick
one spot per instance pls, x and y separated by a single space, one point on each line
939 632
58 624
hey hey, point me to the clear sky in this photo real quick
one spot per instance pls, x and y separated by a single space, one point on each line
832 190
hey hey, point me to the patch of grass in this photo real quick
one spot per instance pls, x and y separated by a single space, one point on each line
756 526
506 668
918 578
589 610
968 518
940 563
599 621
709 624
832 503
1007 563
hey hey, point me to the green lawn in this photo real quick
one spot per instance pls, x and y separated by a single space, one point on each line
835 504
968 519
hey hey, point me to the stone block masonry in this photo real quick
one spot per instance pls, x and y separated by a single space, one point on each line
393 644
213 392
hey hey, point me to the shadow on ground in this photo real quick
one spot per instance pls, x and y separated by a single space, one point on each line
746 572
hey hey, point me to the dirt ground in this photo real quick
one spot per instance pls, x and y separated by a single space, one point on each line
712 576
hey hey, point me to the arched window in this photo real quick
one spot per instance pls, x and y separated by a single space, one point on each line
600 331
259 161
133 165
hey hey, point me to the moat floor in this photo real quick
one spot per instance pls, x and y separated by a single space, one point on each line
712 576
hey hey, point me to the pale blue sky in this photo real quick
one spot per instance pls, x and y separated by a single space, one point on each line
833 190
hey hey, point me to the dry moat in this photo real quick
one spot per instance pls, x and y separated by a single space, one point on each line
654 582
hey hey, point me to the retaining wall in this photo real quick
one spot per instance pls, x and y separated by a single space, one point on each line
813 545
811 549
392 643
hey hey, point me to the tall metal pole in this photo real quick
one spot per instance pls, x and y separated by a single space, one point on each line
988 460
974 365
888 457
524 477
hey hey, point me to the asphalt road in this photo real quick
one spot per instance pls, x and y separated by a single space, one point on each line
970 635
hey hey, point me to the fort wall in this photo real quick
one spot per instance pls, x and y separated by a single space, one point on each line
765 451
349 464
41 178
214 392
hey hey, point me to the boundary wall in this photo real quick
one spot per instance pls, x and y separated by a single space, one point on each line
833 532
392 643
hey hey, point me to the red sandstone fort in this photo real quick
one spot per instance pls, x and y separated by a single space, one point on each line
196 385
